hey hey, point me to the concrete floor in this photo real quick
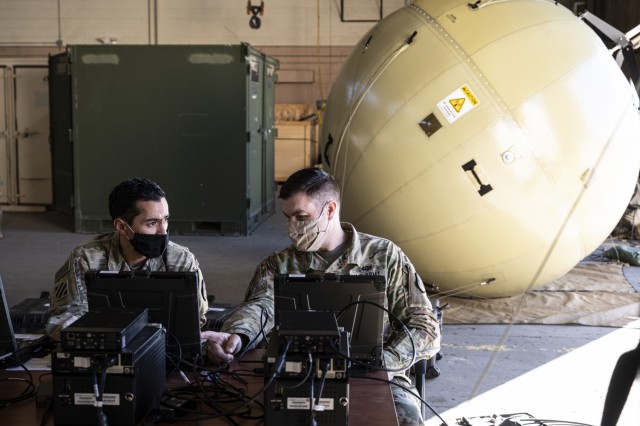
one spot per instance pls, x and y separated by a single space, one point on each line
553 372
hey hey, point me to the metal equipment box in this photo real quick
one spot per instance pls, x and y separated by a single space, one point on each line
197 119
131 384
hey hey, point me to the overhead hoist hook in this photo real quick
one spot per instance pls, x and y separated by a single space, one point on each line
254 11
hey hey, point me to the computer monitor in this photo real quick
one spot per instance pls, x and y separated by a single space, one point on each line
331 292
171 298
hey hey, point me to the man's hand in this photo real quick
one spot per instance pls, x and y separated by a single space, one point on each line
221 347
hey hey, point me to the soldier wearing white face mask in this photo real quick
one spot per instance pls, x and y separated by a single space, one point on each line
321 243
306 234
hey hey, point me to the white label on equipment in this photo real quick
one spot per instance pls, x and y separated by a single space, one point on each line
303 403
292 367
82 362
327 403
297 403
90 399
458 103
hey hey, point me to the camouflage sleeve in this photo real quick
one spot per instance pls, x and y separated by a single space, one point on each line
69 296
204 303
408 301
253 318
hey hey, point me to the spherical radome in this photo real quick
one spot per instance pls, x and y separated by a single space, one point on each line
497 145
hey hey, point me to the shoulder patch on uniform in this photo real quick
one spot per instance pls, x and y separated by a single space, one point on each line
419 283
64 269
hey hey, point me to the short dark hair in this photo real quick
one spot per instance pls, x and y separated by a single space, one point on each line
124 197
313 182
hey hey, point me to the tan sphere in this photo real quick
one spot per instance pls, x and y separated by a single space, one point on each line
498 144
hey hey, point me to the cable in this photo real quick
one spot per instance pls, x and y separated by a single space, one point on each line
28 392
98 393
318 50
465 289
377 379
303 381
262 332
316 406
170 356
99 365
519 419
180 358
47 412
276 370
398 321
263 320
36 346
176 366
211 393
214 402
312 414
208 392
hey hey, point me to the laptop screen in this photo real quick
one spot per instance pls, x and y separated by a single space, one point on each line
331 292
7 337
170 297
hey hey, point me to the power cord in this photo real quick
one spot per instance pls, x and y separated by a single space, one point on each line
28 392
304 380
100 365
47 412
315 403
210 391
396 320
263 323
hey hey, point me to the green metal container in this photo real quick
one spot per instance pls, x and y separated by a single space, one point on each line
199 120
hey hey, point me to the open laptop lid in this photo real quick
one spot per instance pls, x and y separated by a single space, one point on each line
7 337
171 299
331 292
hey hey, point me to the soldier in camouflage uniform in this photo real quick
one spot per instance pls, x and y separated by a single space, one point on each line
140 214
322 243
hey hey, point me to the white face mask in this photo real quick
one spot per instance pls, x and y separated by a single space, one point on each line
306 234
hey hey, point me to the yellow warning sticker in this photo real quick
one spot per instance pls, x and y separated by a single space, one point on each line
472 98
458 103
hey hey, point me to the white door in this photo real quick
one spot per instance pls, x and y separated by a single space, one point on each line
32 131
7 138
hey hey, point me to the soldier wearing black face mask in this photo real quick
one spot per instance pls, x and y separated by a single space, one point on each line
140 214
149 245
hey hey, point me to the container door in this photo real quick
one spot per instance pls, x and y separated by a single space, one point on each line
255 126
269 123
32 124
61 141
5 174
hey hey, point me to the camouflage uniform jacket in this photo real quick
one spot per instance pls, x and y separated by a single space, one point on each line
69 295
365 254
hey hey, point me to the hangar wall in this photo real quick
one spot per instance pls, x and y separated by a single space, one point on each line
311 40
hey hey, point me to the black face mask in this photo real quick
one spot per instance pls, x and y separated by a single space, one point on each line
150 245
